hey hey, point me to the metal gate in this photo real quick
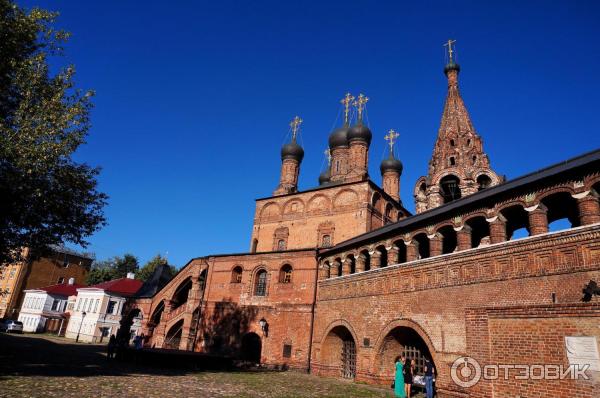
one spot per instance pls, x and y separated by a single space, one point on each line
348 359
411 352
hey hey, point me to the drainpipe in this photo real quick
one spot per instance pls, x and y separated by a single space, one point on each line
312 313
200 308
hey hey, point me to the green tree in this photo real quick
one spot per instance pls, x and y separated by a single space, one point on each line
112 268
123 265
45 197
147 270
99 275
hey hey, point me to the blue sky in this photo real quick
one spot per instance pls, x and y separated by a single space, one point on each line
194 98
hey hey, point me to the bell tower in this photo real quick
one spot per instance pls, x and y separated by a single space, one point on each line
458 166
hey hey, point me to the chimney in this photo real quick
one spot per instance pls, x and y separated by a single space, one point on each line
71 281
130 275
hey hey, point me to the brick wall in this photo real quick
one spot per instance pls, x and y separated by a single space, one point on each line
435 298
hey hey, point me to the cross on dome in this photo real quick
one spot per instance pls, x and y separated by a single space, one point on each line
449 44
391 138
360 103
295 125
347 101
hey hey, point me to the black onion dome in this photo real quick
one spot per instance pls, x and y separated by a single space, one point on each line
360 132
451 66
292 151
325 177
391 164
339 137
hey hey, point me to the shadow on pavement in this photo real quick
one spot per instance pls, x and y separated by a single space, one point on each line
35 355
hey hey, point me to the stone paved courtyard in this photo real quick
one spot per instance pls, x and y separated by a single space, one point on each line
45 366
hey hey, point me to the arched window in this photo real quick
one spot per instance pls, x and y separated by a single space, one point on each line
483 182
281 244
326 242
260 283
236 275
451 142
450 188
452 161
285 274
254 245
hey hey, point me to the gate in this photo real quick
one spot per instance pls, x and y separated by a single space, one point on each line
348 359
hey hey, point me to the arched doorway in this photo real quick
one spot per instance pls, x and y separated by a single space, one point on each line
339 352
173 337
251 347
401 340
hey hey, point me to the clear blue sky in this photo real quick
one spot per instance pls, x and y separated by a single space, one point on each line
194 98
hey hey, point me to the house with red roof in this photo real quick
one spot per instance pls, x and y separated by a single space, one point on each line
45 309
97 309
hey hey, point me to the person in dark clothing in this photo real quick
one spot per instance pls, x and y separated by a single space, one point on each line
429 372
409 370
112 345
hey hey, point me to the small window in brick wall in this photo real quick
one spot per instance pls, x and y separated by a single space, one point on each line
285 274
287 350
260 284
281 245
236 275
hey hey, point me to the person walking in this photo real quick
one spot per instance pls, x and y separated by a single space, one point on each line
110 348
399 378
409 369
428 378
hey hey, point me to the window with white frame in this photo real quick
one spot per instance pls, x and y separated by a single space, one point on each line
111 307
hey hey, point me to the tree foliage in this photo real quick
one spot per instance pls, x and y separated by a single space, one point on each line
113 268
45 197
147 270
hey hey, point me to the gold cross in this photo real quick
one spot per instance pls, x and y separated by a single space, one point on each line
360 104
391 138
295 124
328 154
449 44
346 101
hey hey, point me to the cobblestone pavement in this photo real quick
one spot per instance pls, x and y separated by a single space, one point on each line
45 366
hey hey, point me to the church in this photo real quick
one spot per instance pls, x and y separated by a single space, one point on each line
340 279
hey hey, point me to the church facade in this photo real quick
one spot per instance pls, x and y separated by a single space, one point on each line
341 279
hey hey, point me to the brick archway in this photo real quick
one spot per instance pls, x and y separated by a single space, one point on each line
338 351
389 342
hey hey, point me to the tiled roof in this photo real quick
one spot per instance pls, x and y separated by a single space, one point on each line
63 289
124 286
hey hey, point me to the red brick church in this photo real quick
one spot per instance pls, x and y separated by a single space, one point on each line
341 279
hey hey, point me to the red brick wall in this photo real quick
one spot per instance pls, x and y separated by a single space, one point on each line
434 298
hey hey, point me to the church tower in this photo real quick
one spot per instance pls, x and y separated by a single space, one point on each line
338 145
391 169
458 166
291 157
359 140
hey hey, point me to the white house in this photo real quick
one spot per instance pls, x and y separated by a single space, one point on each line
97 309
44 309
